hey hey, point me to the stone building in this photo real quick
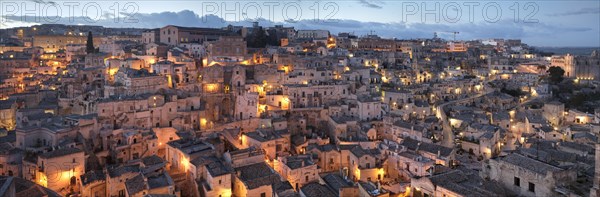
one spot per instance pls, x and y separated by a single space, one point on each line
527 176
60 170
174 35
8 119
298 170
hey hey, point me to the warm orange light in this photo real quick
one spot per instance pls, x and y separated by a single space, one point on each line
66 175
406 192
384 79
226 193
203 122
185 163
170 81
286 69
112 71
43 180
262 108
211 87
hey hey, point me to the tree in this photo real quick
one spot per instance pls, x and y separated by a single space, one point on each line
556 74
513 92
90 44
258 38
273 39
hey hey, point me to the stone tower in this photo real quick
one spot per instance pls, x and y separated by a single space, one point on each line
90 43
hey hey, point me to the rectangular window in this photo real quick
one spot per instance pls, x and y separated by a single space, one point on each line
517 181
531 187
263 195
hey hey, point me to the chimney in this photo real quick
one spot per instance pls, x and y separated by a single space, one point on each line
438 153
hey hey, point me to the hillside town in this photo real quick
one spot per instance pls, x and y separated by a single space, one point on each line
277 111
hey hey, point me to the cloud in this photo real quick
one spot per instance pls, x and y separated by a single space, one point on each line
540 32
43 2
582 11
108 15
372 3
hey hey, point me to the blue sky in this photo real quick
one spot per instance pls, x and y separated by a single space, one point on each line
538 23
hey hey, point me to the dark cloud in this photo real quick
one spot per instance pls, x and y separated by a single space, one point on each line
372 3
578 12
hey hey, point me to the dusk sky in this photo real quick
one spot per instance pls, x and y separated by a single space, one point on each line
540 23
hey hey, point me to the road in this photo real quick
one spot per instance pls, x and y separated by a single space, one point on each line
447 133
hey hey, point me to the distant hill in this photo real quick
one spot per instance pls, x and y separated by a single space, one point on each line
570 50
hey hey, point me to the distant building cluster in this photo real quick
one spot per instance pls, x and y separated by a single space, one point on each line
283 112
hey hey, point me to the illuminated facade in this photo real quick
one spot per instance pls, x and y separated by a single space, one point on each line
60 170
54 43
